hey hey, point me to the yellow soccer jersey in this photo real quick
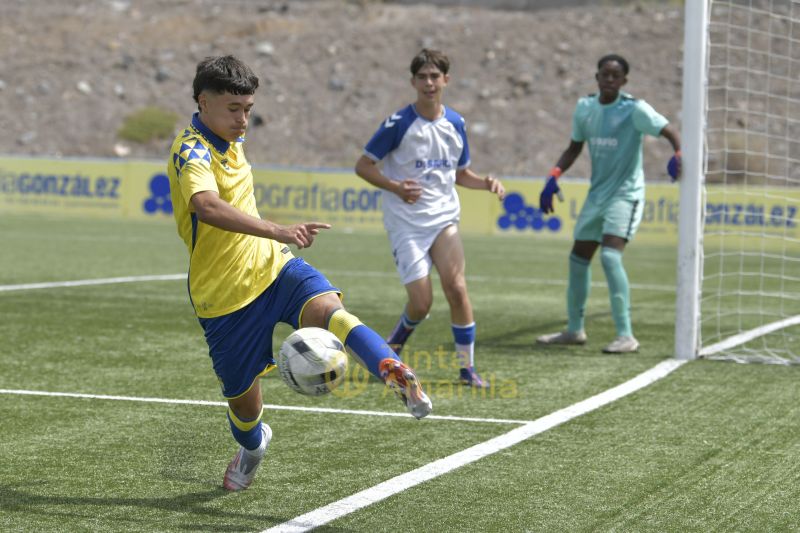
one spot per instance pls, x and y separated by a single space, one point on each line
227 270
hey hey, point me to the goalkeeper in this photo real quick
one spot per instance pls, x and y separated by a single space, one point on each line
614 124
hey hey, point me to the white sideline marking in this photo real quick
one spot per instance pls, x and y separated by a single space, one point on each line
266 406
368 274
381 491
745 336
83 282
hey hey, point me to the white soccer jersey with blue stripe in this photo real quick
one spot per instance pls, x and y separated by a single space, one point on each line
428 151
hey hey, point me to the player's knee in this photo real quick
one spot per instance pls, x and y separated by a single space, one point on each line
610 258
419 307
455 290
318 310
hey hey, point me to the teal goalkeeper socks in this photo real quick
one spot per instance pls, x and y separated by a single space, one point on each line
580 279
618 290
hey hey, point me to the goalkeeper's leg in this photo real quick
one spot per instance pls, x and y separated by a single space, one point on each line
618 290
619 295
578 287
580 283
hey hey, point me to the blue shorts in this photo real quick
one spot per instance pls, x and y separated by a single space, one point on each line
240 343
620 218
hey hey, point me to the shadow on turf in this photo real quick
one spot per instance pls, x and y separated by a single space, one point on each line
508 340
189 508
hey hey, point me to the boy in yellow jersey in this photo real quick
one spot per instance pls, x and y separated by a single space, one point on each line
243 279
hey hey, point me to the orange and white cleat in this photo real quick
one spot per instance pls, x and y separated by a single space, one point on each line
406 386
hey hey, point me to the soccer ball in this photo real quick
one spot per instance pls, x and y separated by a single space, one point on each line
312 361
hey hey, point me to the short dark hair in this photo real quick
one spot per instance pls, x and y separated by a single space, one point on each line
430 57
614 57
224 74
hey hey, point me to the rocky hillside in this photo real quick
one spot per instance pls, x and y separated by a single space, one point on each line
72 70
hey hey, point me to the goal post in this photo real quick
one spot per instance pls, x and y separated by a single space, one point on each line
738 267
690 227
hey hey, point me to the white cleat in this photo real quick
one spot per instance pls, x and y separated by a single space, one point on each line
622 345
564 337
398 376
242 469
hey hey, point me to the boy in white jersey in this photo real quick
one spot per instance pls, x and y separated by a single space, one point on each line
243 279
425 153
614 124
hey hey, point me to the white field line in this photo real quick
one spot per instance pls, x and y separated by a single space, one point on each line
268 407
381 491
332 273
746 336
83 282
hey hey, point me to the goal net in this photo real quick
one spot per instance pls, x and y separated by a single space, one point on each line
747 235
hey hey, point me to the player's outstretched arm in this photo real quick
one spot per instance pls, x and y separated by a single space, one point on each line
674 164
467 178
214 211
551 187
409 190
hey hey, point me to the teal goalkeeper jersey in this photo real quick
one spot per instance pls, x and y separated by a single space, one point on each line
614 133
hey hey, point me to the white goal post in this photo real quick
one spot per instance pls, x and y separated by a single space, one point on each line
738 277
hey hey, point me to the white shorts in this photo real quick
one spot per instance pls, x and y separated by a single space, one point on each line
411 252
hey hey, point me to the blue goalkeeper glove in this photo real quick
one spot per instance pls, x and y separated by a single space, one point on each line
550 188
674 166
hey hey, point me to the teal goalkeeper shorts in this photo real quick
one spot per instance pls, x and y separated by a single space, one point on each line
621 218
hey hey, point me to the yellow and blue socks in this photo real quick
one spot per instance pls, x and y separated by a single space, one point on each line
361 341
401 332
247 432
618 290
580 281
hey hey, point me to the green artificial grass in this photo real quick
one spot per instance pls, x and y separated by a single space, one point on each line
712 447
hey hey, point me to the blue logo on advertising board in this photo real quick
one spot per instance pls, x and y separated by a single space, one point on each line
160 199
521 216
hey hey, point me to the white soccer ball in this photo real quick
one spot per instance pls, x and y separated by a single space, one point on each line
312 361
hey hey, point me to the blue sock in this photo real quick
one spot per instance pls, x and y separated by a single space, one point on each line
246 432
580 281
401 332
618 290
362 342
464 337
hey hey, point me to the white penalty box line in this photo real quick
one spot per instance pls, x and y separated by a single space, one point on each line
395 485
338 509
317 410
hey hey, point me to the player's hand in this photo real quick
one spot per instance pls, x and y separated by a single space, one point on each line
409 190
495 186
302 235
674 167
546 196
